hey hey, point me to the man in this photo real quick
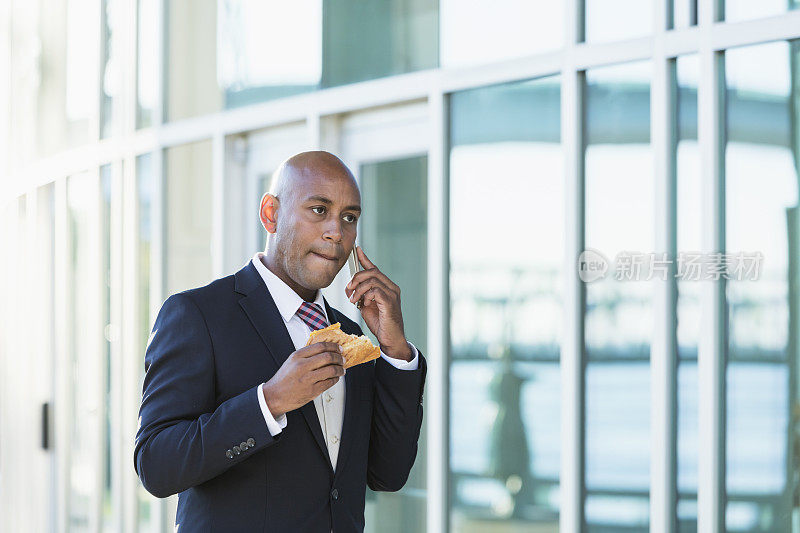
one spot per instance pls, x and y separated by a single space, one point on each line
255 431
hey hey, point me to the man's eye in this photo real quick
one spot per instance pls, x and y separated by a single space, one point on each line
318 207
352 217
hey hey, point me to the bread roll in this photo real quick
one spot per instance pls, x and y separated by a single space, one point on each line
355 349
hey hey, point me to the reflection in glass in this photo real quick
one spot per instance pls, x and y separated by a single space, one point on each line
269 49
604 19
367 40
684 13
689 239
146 62
106 186
78 80
188 216
145 184
748 9
393 230
507 29
761 182
110 74
85 365
506 252
191 58
51 76
619 218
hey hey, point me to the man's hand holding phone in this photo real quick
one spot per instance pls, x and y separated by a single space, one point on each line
380 307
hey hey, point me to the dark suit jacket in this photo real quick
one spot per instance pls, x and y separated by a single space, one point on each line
210 348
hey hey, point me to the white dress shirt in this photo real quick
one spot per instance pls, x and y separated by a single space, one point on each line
329 404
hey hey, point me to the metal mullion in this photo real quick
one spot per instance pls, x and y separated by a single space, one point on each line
663 350
12 319
5 91
572 363
95 24
438 303
159 114
711 350
96 327
132 352
784 26
118 461
129 51
158 281
572 342
62 407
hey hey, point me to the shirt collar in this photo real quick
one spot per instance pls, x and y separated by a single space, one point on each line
287 301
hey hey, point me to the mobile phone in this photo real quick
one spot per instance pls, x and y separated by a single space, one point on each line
355 266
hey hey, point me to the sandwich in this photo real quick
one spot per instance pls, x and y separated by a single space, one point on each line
355 349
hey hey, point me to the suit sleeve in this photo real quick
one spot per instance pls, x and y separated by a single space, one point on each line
396 424
184 438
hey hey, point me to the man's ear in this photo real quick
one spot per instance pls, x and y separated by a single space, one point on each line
268 212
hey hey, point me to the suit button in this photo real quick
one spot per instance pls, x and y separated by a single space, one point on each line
229 454
335 494
237 450
251 442
243 446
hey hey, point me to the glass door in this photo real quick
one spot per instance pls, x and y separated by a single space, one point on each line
385 150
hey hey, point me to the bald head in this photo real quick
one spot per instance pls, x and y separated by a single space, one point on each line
311 214
295 173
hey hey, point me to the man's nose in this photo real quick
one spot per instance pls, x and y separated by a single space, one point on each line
333 231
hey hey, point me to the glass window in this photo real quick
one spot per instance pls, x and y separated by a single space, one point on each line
684 13
107 189
748 9
52 77
145 188
482 32
762 243
191 54
269 49
393 230
110 66
619 225
263 151
604 23
505 306
188 216
146 63
84 333
367 40
688 243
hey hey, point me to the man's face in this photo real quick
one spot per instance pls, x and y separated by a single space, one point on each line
316 227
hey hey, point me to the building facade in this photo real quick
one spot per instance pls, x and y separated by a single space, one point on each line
507 152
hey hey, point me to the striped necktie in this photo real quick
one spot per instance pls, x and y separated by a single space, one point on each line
312 314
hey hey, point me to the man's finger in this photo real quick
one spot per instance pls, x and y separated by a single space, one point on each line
363 288
319 347
376 294
326 359
327 372
365 275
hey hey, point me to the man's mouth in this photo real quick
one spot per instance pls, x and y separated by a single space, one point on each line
329 258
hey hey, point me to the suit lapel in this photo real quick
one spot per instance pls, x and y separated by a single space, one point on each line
260 308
